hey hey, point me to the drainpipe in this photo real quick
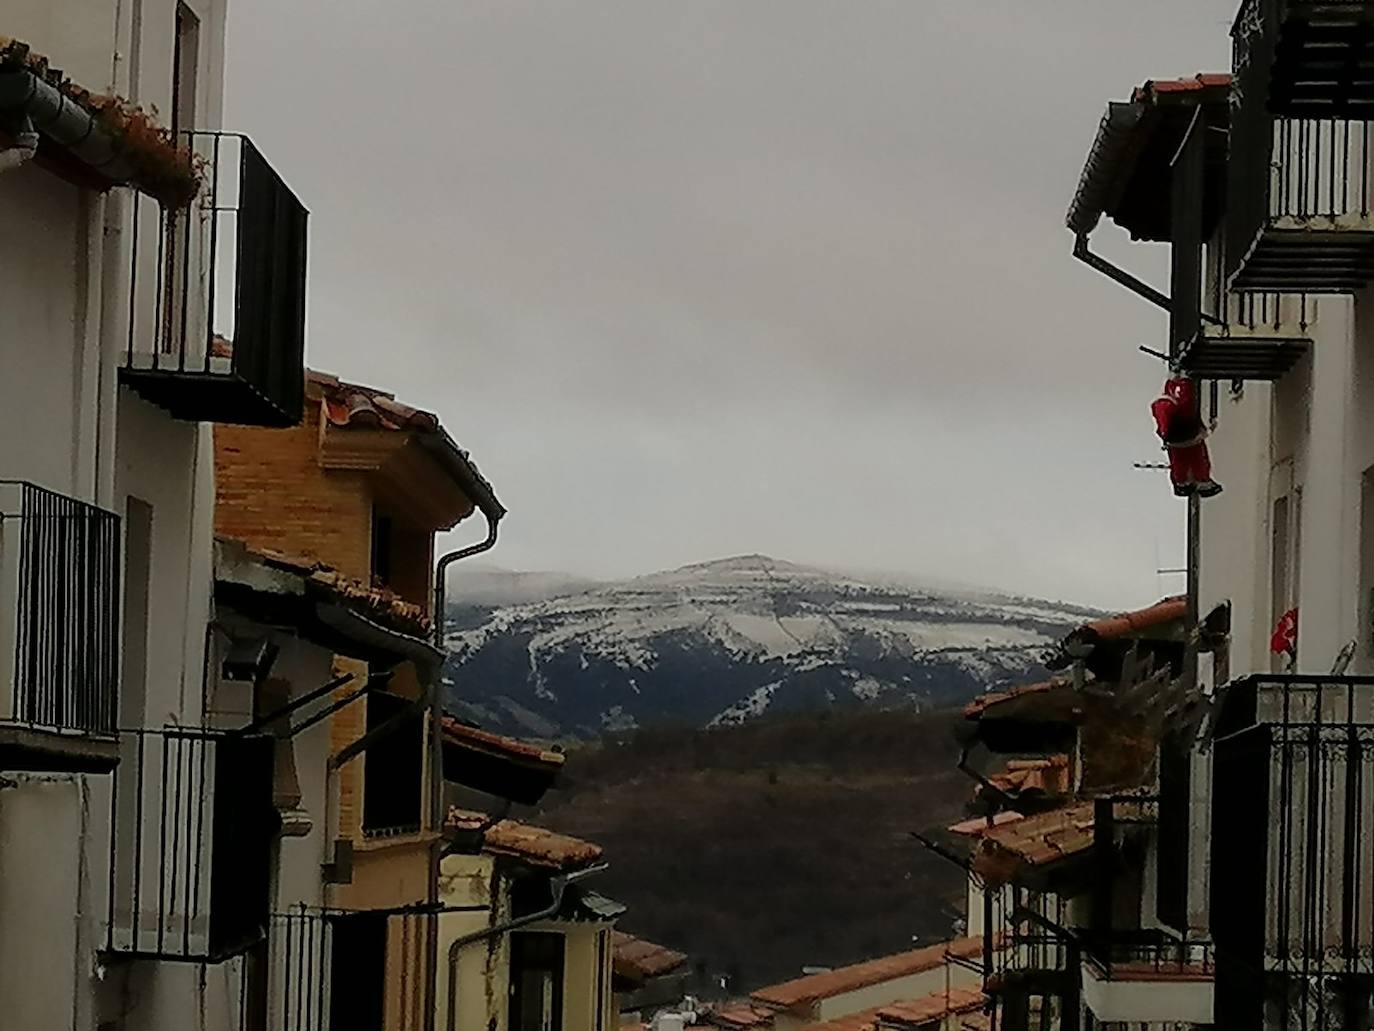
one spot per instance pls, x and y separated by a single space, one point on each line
436 744
25 146
558 884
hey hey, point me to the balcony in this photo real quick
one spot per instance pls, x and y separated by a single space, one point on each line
1149 977
217 297
59 631
1292 840
1299 197
191 853
1307 57
335 969
1261 337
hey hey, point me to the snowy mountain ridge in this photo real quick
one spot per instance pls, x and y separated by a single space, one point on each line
728 640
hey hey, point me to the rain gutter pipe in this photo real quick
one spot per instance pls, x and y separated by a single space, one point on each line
558 884
492 513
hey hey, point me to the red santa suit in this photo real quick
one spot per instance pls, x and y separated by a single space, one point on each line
1178 421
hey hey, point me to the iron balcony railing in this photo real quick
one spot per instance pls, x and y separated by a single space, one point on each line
1298 193
59 611
1126 955
1293 852
217 296
1307 56
337 970
191 848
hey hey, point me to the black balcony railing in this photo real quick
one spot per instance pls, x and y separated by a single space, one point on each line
59 612
1307 57
1293 853
336 970
1298 196
191 849
217 297
1148 954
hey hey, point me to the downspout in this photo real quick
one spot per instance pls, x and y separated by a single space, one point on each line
436 744
558 884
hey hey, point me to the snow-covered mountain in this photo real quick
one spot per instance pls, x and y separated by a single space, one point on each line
726 641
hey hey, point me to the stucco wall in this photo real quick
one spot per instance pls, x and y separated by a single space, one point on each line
915 986
483 968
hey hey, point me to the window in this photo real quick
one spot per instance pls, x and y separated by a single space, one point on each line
185 58
536 981
1279 558
393 768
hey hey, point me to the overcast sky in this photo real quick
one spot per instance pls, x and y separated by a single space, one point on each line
692 278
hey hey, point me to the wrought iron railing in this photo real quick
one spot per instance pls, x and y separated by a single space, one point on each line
1123 955
217 297
191 845
59 611
336 970
1293 852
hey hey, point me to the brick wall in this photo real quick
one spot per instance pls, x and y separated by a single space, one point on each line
271 492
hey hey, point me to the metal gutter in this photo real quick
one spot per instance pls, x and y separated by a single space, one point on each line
62 120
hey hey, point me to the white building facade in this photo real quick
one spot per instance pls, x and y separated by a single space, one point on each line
116 361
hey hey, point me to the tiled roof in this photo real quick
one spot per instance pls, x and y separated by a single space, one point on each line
1126 172
975 709
141 152
977 826
354 406
1129 624
740 1016
861 975
1035 842
641 960
912 1014
459 733
534 846
1155 90
1049 776
379 603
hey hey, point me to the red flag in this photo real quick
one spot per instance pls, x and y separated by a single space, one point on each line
1285 639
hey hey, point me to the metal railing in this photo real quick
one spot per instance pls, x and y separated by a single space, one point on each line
1293 831
191 845
59 611
217 295
1123 955
339 970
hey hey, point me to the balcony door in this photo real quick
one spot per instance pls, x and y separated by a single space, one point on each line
536 981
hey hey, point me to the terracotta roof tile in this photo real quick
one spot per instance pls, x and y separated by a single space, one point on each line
150 158
915 1013
1128 624
1200 83
975 709
354 406
741 1015
380 603
1048 776
459 733
977 826
534 846
641 960
1036 841
861 975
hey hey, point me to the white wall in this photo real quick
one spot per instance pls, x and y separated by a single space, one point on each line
66 425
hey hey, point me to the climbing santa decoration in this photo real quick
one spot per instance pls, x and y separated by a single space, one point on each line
1178 421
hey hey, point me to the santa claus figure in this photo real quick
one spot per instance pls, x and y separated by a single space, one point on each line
1178 421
